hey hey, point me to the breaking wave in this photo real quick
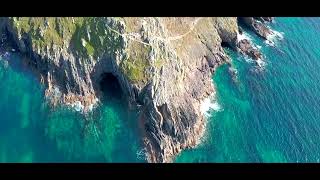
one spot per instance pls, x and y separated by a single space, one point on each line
274 38
209 104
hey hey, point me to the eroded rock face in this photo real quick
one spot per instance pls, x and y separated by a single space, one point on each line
247 48
258 27
164 67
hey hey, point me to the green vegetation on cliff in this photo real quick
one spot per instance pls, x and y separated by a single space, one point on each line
44 32
137 64
89 37
95 39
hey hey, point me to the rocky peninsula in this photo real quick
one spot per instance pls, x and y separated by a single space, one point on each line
163 66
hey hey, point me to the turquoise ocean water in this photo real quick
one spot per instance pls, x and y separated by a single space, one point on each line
269 114
30 131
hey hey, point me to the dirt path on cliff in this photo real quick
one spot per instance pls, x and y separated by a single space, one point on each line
195 22
173 38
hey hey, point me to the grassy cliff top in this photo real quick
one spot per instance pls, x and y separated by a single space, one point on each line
86 37
96 37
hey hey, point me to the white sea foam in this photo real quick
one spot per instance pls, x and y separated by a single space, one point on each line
278 34
94 104
274 37
270 43
261 63
90 107
248 59
77 106
56 92
243 36
209 104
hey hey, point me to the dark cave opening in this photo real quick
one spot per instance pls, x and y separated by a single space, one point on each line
225 44
243 26
110 87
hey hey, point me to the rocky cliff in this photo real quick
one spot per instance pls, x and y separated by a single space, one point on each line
163 65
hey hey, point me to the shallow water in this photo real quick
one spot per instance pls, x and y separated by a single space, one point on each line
31 132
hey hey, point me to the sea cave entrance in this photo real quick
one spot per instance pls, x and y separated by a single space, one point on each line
110 87
225 44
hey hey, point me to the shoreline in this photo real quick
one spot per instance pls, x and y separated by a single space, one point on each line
175 118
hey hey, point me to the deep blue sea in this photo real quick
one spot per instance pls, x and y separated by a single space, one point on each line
270 113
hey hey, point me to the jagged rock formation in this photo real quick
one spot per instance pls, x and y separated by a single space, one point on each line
164 67
257 26
246 47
